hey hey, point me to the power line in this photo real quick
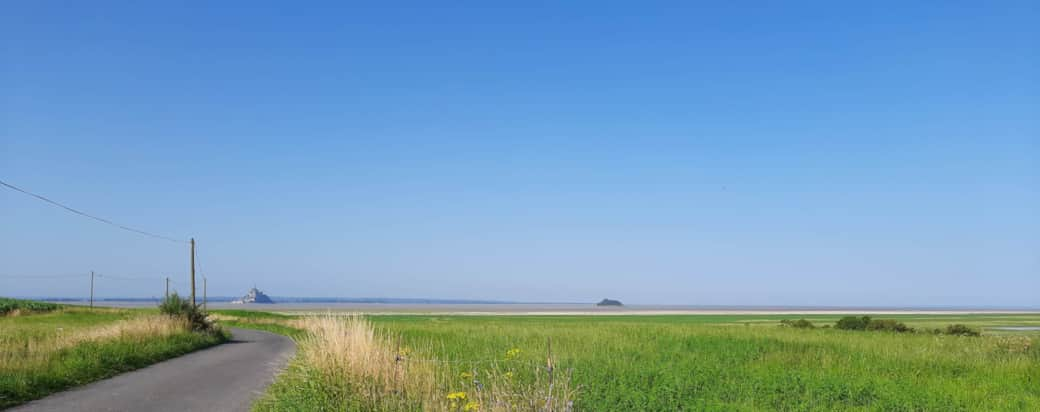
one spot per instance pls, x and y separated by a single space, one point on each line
98 275
102 275
106 221
41 276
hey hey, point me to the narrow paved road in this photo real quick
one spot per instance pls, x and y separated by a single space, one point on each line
227 377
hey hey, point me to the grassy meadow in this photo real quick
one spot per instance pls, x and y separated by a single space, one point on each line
45 348
627 363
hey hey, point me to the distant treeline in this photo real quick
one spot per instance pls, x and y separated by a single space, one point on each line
865 323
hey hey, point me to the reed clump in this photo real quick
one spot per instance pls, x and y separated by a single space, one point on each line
359 367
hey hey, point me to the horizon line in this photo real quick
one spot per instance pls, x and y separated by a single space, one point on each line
344 299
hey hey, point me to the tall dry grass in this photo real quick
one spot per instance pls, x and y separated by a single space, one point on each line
350 356
24 351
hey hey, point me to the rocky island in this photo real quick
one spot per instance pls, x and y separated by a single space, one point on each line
254 296
609 302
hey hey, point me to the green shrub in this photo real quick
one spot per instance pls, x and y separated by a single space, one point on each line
853 323
866 323
961 330
888 325
176 306
799 324
8 305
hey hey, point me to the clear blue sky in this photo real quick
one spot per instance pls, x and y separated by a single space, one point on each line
683 153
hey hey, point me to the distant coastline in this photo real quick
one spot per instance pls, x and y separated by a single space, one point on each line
408 305
291 299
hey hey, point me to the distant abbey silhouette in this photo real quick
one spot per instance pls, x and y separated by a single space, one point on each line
254 296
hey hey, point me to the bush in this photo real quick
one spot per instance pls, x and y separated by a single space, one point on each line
8 305
866 323
799 324
853 323
961 330
176 306
888 325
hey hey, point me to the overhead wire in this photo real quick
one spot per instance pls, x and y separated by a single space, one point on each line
107 276
103 220
86 274
43 276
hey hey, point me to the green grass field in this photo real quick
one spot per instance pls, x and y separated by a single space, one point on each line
48 349
725 362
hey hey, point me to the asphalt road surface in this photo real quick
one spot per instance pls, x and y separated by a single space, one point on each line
226 377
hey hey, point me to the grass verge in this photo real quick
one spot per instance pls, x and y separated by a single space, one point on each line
265 321
48 352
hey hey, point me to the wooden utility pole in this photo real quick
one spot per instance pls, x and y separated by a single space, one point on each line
92 289
167 287
192 271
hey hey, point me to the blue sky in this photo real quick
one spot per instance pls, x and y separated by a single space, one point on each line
682 153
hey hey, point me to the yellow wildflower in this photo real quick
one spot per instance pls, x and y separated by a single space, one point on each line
467 375
512 353
471 406
457 396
